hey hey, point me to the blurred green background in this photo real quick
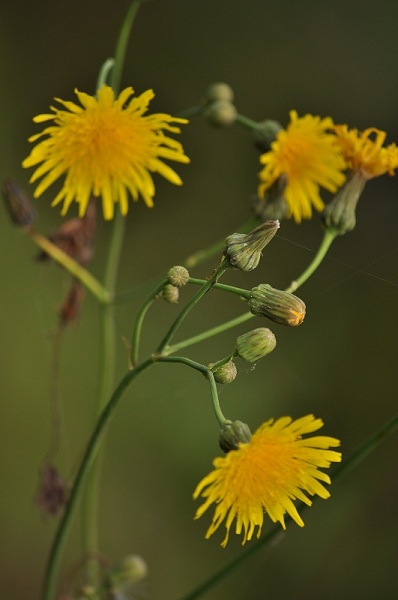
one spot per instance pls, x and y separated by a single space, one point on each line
327 58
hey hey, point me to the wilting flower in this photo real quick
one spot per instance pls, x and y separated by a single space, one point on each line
307 156
266 474
104 148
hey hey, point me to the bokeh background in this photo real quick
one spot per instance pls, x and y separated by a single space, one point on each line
328 58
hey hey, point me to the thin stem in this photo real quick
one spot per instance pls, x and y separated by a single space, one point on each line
329 236
188 113
246 122
89 281
104 72
209 374
121 46
135 340
199 294
107 372
222 286
356 458
201 256
209 333
94 444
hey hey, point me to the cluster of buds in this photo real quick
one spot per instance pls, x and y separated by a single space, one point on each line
177 278
219 108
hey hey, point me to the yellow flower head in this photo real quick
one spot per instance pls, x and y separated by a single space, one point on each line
366 155
106 148
266 474
308 156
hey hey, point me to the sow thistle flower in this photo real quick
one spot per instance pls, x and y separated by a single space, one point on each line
105 148
266 474
307 156
366 158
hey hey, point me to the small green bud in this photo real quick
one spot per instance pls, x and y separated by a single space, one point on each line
219 91
18 204
178 276
255 344
339 215
265 133
128 571
226 373
279 306
171 294
221 113
233 434
244 250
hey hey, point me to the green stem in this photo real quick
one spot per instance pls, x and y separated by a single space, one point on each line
201 256
224 287
209 333
97 437
135 340
329 236
91 283
209 374
199 294
356 458
188 113
104 72
246 122
107 372
121 46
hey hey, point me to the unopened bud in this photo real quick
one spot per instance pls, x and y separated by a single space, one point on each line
171 294
221 113
244 250
129 571
265 133
255 344
178 276
339 215
233 434
226 373
18 205
279 306
219 91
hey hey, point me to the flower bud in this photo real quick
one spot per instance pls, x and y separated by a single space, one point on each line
178 276
265 133
18 204
221 113
128 571
233 434
339 215
226 373
219 91
255 344
279 306
244 250
171 294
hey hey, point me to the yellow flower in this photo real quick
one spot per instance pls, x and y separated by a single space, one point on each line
106 148
366 155
266 474
308 157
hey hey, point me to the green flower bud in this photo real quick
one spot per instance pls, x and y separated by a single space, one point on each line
279 306
255 344
18 204
233 434
178 276
219 91
226 373
221 113
127 572
339 215
265 133
244 250
171 294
